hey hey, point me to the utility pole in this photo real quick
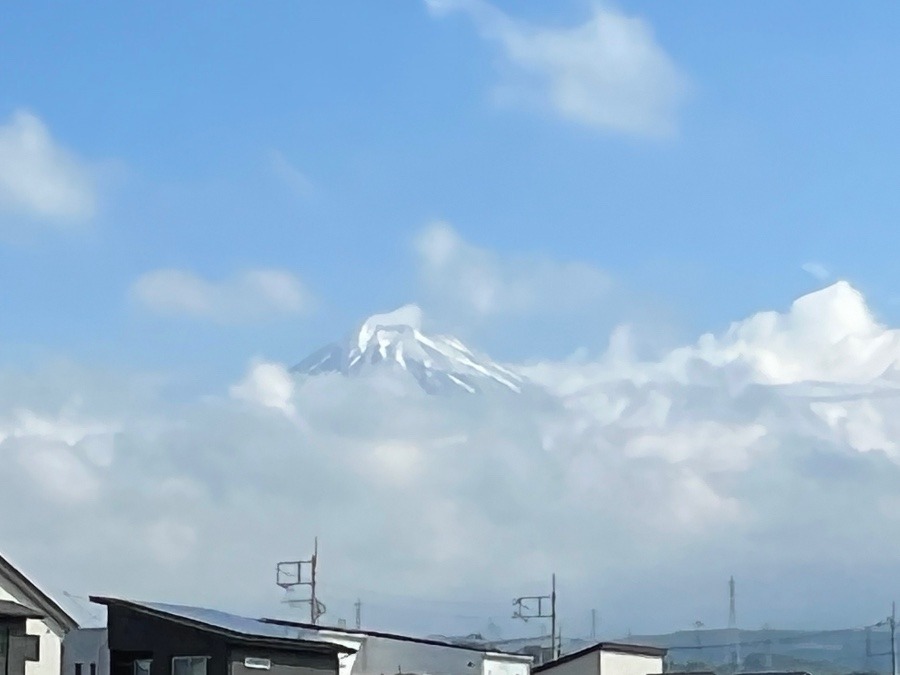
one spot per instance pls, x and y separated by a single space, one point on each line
525 612
358 606
293 573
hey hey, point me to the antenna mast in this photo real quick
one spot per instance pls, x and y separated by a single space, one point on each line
293 573
524 612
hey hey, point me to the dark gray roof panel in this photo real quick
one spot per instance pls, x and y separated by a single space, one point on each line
227 623
14 610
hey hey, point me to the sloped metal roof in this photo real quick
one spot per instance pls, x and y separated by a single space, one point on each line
229 624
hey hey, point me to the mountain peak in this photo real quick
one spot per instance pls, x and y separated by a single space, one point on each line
394 342
407 316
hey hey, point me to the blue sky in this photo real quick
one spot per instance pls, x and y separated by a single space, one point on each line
783 152
187 189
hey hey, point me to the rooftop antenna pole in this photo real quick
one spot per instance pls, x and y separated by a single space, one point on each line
893 621
554 647
293 573
358 607
313 608
593 624
524 611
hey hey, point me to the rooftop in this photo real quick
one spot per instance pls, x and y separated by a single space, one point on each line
229 625
617 647
486 649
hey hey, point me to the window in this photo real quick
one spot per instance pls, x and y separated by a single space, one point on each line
189 665
78 668
93 669
141 667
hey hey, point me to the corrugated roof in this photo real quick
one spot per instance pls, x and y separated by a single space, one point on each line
223 622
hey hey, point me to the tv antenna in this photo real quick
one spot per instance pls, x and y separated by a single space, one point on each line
525 609
292 574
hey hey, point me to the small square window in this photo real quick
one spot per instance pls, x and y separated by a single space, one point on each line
142 667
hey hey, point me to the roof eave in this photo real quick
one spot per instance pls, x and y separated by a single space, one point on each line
54 612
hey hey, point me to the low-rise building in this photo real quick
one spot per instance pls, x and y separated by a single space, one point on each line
158 639
32 626
380 653
607 658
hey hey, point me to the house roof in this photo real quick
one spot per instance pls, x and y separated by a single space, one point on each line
617 647
229 625
10 609
28 592
395 636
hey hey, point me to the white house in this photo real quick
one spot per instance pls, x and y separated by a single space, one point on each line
607 658
32 626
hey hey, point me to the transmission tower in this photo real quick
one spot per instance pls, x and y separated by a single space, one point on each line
732 625
732 614
292 574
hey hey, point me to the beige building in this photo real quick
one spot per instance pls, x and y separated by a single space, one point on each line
607 658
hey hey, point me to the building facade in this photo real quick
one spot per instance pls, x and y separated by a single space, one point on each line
379 653
607 658
41 618
157 639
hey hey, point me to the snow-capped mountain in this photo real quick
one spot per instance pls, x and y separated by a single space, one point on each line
395 341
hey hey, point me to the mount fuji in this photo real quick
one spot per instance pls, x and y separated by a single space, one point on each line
394 342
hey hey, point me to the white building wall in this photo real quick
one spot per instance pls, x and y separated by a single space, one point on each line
51 644
587 664
51 650
615 663
496 664
86 646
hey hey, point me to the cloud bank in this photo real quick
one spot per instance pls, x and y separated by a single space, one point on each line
767 451
608 73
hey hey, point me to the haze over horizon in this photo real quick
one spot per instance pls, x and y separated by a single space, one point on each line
632 291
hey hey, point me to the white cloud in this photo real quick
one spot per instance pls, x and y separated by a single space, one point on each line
248 296
816 270
608 73
267 384
483 283
766 448
39 179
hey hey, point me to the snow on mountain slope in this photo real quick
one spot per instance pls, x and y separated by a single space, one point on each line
395 341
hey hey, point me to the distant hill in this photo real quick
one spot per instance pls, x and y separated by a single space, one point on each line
818 652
